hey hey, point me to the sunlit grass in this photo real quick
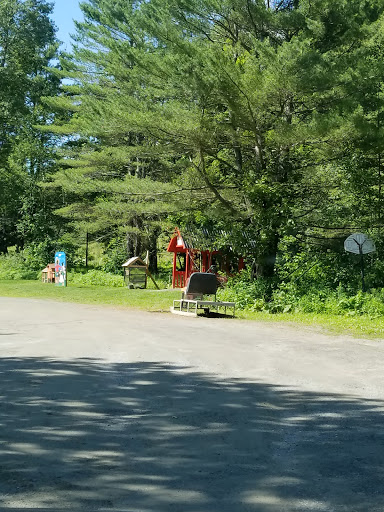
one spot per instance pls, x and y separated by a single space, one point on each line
161 300
150 300
357 326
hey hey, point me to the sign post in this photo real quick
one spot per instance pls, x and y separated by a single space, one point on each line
60 269
358 243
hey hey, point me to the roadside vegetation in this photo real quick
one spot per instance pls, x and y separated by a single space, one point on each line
258 121
339 311
361 325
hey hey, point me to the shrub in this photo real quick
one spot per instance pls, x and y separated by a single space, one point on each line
96 278
265 295
14 266
115 256
247 293
38 255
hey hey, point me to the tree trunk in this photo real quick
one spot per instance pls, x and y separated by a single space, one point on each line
265 265
153 263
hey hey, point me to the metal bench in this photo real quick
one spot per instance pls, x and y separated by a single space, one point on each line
200 285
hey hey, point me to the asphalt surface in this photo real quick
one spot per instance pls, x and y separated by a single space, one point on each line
104 409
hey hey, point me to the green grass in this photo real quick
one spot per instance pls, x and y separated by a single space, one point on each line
356 326
161 300
149 300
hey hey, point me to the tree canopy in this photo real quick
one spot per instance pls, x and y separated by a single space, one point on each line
260 118
27 46
248 115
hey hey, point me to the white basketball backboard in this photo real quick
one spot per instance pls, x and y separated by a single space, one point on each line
358 243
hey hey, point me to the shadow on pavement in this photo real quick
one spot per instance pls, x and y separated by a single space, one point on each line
150 437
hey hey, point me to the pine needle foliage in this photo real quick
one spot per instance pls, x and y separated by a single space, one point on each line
249 115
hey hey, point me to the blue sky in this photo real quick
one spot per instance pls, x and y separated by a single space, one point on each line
65 11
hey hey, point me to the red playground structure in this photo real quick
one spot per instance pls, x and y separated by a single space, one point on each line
191 254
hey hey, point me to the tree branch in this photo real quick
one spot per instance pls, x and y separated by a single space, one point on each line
201 169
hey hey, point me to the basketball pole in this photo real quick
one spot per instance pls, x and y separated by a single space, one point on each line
362 267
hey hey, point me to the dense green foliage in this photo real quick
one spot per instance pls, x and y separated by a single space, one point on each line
27 46
291 298
262 120
244 116
14 267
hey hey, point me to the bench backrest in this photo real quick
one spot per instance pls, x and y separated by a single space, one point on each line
201 283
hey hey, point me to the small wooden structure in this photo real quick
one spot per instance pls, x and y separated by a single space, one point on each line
48 273
195 252
136 273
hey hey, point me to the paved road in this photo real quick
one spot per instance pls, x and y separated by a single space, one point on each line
104 409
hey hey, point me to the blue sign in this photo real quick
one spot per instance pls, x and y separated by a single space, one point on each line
60 269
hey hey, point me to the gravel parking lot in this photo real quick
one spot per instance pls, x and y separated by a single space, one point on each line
106 409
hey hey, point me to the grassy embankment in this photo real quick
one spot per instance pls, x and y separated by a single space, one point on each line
154 300
150 299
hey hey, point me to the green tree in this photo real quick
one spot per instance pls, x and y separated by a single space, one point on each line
234 113
27 46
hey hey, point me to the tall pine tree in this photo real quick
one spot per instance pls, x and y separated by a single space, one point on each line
233 112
